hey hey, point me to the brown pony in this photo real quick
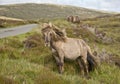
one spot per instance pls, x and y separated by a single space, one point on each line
73 19
70 48
76 19
70 18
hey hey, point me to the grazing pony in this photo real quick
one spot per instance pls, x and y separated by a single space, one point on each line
70 48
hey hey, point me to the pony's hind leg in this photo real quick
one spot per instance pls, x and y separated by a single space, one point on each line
85 65
81 66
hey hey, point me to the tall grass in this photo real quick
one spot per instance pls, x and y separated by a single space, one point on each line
37 66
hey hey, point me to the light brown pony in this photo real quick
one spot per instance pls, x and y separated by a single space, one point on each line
70 48
76 19
70 18
73 19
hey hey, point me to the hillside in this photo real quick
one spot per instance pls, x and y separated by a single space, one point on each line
7 21
41 11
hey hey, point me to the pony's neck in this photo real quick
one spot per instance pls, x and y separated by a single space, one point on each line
52 44
56 38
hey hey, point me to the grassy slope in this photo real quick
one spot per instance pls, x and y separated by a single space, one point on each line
40 11
37 66
9 22
111 26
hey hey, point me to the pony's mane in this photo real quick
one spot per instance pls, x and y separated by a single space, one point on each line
45 29
59 35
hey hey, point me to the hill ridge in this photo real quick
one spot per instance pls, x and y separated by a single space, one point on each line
34 11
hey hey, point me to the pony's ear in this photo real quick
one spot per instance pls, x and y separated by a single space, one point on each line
64 32
50 24
45 25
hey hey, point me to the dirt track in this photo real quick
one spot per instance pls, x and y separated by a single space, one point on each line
16 30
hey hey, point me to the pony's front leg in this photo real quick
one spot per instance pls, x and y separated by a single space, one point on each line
55 55
59 63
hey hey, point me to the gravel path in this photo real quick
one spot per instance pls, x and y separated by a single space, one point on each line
16 30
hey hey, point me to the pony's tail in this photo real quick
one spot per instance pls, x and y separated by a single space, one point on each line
92 61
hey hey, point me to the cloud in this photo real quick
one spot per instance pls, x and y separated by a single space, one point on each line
110 5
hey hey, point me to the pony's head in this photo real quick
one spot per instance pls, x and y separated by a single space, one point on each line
52 33
47 33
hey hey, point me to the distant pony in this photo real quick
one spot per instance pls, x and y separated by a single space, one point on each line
70 18
73 19
70 48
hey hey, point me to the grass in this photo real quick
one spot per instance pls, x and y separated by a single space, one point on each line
37 66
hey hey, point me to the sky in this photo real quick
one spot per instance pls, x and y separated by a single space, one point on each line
107 5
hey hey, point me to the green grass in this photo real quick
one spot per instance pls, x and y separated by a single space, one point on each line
37 66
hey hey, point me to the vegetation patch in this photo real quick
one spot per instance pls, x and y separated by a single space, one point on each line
35 65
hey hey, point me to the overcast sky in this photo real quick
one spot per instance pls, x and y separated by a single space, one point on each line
108 5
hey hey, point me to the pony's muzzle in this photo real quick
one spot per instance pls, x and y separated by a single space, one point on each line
47 44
